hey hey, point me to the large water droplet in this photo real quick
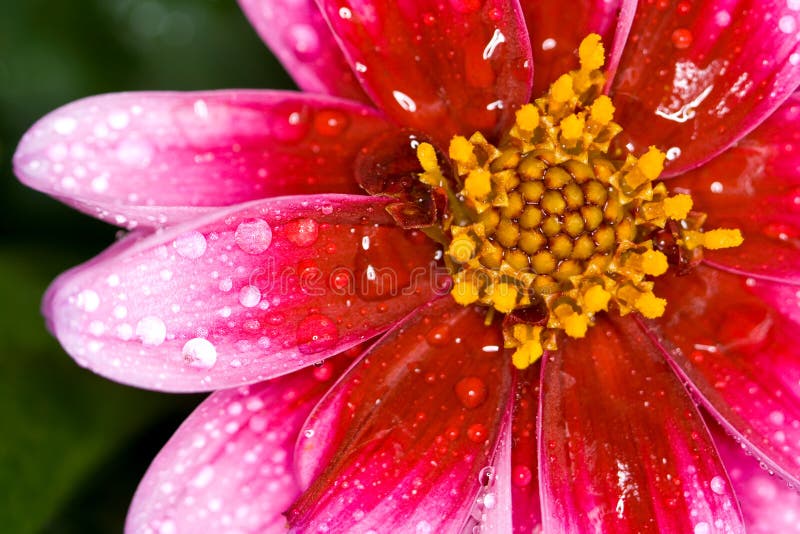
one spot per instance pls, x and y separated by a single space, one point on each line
302 232
316 333
253 236
471 391
199 353
191 245
151 330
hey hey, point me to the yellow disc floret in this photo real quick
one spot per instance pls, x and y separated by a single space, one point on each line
548 221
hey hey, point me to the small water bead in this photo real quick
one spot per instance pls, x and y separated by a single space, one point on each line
330 123
249 296
682 38
477 433
253 236
471 391
199 353
88 300
191 245
303 39
151 330
302 232
521 475
316 333
439 336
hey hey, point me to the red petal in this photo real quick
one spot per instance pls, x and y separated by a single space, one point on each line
736 340
153 158
442 68
524 454
755 187
298 35
696 77
399 444
622 448
229 466
243 294
556 32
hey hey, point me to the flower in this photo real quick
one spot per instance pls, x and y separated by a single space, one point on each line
254 254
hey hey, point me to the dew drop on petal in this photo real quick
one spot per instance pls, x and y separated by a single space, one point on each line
151 330
718 485
316 333
302 232
253 236
471 391
199 353
249 296
88 300
521 475
191 245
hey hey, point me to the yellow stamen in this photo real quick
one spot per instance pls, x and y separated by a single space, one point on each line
572 127
651 306
478 184
678 207
596 299
602 110
591 53
504 297
654 263
561 91
465 292
461 151
527 118
527 354
651 163
713 239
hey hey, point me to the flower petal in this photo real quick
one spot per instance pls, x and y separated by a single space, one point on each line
524 454
556 32
769 506
405 441
244 294
443 68
735 340
697 77
298 35
755 187
229 466
153 158
622 446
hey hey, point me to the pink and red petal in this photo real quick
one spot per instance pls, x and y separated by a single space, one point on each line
769 506
755 187
406 440
244 294
696 77
622 448
156 158
556 33
229 466
443 68
297 34
735 339
524 453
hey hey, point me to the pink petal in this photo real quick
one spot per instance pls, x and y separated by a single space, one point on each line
755 187
298 35
696 77
244 294
405 441
735 340
556 32
622 448
443 68
153 158
228 468
524 454
769 506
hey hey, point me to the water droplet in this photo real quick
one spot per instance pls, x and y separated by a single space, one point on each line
702 528
477 433
303 40
253 236
65 125
191 245
316 333
249 296
330 123
471 391
88 300
199 353
405 101
718 485
151 330
521 475
439 336
302 232
682 38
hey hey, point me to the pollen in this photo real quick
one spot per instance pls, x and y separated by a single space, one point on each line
548 220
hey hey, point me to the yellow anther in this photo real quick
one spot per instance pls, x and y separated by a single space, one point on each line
478 184
677 207
561 90
465 292
575 325
527 117
602 110
572 127
426 155
713 239
654 263
591 52
650 305
596 299
651 163
527 354
461 151
462 248
504 297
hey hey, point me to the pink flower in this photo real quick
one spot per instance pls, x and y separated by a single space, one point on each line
254 254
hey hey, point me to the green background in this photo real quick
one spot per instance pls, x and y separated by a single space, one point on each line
73 446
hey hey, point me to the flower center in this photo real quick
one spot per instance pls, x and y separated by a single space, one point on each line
547 228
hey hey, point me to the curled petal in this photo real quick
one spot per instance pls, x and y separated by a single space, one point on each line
735 339
443 68
622 446
148 159
406 440
696 77
243 294
297 34
755 187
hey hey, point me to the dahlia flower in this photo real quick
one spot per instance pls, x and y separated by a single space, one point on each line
473 278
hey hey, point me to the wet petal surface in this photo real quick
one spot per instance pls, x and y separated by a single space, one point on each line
156 158
524 453
443 68
622 446
244 294
735 338
405 441
696 77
